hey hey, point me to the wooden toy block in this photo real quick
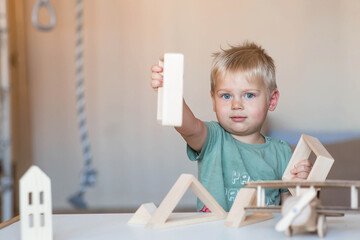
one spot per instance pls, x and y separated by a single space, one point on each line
238 217
322 164
162 219
143 214
35 205
170 96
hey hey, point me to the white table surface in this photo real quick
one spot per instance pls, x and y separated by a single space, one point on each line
114 226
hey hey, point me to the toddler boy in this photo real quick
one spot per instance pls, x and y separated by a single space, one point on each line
233 151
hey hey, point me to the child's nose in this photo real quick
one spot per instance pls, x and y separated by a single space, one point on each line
236 104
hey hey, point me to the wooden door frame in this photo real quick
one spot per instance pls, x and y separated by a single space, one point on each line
20 95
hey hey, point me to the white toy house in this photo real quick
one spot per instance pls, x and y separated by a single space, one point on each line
35 205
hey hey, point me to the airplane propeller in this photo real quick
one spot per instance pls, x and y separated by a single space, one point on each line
285 222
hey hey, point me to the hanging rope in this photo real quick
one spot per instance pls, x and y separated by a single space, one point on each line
34 16
88 176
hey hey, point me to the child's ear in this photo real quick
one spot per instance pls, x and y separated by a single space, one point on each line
274 98
213 100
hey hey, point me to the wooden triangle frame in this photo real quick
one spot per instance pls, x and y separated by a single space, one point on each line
238 217
322 164
143 214
162 219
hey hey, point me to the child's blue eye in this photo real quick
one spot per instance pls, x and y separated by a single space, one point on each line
249 95
226 96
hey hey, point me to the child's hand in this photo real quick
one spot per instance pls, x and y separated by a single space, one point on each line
301 170
156 77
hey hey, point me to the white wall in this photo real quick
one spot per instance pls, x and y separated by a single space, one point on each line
315 45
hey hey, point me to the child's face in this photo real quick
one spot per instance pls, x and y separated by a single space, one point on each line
241 106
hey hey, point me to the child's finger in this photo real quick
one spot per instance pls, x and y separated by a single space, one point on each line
301 175
156 76
156 84
301 168
161 58
305 162
156 68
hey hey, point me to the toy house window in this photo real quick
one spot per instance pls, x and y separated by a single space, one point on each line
31 220
30 198
41 197
42 219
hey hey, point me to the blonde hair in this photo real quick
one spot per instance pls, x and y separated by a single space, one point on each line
250 59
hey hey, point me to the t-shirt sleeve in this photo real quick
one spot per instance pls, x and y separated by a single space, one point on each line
212 131
285 162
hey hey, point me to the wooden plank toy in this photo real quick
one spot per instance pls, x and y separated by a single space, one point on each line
170 96
322 164
162 219
35 205
238 217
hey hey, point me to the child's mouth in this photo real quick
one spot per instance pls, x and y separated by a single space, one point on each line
238 119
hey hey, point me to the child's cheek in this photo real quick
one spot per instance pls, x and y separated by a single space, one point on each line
261 115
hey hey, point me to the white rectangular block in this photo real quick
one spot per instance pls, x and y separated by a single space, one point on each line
170 96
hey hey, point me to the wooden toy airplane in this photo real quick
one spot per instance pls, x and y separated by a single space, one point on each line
304 212
237 215
303 205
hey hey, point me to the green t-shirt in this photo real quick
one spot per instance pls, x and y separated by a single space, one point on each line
225 164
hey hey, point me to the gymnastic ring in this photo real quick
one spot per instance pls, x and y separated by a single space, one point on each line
35 12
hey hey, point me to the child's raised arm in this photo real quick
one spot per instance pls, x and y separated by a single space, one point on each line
192 130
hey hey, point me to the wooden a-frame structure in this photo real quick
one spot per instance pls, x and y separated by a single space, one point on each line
162 217
238 217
